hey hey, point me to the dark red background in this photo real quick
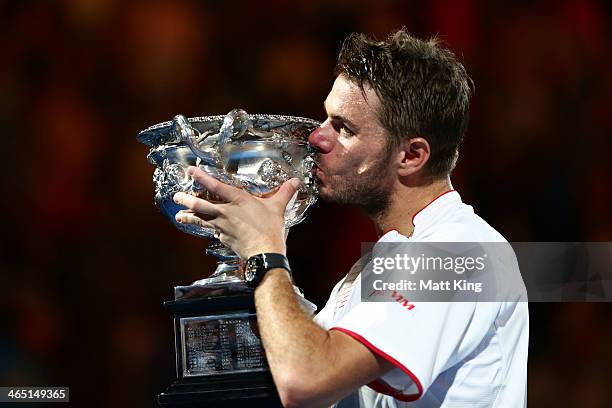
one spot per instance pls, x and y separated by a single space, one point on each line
86 258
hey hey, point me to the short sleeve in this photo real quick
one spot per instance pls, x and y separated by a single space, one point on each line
325 317
421 340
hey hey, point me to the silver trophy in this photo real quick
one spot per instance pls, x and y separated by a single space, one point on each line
256 153
215 323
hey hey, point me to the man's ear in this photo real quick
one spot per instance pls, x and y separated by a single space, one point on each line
413 154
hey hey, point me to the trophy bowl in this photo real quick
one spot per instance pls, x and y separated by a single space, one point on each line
256 153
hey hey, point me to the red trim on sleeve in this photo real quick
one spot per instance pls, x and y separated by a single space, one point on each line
378 385
446 192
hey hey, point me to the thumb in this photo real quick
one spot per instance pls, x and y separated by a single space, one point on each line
286 191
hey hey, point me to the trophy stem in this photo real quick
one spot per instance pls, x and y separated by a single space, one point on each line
221 251
228 268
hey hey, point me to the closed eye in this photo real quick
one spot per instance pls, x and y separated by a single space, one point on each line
346 130
341 127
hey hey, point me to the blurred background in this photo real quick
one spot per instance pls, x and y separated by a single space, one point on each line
87 260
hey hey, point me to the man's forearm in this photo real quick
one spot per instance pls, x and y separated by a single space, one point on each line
295 346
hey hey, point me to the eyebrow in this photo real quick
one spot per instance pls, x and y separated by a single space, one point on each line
345 120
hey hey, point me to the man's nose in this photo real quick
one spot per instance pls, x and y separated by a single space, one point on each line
319 139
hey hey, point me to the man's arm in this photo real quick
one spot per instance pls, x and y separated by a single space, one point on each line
310 366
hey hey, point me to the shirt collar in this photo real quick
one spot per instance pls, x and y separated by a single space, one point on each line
432 210
426 214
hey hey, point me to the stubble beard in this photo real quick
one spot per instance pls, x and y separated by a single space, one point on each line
370 192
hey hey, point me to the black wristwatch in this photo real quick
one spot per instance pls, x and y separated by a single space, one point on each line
257 266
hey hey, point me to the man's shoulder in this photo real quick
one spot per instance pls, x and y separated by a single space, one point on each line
459 224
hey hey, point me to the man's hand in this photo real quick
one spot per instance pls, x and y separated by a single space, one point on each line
247 224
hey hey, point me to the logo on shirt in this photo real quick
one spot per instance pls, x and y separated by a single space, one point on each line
395 296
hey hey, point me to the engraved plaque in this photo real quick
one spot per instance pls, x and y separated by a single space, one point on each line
221 344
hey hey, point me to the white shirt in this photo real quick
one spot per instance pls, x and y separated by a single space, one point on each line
446 354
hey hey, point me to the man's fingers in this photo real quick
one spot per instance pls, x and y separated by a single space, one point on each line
205 217
286 191
185 217
225 192
196 204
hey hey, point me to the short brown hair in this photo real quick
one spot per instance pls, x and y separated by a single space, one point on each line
424 91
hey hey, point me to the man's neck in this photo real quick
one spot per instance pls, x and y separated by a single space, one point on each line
405 203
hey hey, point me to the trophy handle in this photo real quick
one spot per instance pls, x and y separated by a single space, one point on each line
186 132
235 125
189 135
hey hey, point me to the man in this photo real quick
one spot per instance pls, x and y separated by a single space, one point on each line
396 115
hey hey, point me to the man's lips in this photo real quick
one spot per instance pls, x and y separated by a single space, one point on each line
316 171
319 175
315 166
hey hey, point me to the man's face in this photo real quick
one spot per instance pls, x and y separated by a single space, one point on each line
353 162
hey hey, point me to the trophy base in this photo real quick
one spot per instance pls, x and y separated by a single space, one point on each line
219 358
249 389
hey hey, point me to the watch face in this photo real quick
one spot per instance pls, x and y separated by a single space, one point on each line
251 269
